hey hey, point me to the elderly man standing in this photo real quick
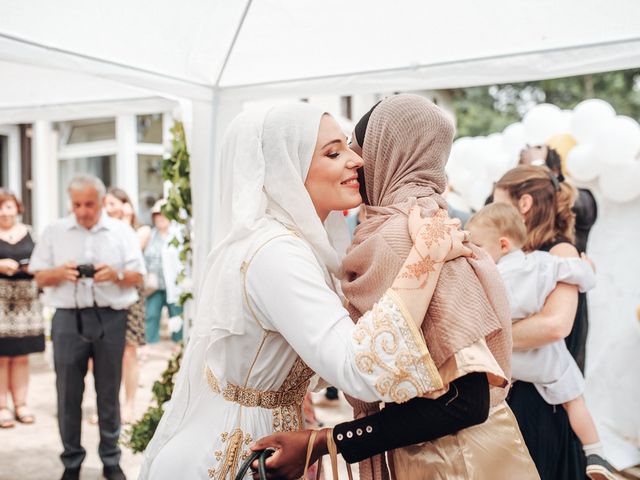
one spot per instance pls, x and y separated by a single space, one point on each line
89 265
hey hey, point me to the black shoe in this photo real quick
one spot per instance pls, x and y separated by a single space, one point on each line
113 472
71 474
599 469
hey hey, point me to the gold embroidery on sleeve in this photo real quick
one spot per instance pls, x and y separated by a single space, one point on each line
412 372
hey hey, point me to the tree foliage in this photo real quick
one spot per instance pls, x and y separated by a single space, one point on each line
489 109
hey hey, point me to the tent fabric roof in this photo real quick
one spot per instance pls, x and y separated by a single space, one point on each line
73 58
272 47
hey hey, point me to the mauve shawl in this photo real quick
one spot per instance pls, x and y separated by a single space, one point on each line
406 147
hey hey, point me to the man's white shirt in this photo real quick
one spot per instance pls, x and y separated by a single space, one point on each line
110 241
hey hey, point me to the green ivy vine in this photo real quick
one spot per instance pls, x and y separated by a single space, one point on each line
139 435
176 169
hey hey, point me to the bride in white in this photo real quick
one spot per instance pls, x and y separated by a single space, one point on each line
269 314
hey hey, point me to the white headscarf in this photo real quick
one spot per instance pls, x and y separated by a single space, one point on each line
265 161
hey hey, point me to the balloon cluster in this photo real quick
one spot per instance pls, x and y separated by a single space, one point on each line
595 143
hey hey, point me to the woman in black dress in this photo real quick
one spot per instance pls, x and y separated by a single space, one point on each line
21 324
546 206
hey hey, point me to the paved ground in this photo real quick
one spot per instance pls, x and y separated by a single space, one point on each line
31 452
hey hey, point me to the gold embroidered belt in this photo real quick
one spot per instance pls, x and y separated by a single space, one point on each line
250 397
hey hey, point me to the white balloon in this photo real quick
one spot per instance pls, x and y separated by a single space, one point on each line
459 147
513 140
495 141
588 119
478 193
622 182
567 118
461 182
460 152
582 163
541 123
477 156
500 164
618 141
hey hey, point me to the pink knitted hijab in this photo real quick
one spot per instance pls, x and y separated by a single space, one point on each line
406 147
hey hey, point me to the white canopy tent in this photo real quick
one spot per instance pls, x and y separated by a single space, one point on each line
74 59
60 59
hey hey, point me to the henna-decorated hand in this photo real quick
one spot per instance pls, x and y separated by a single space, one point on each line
442 236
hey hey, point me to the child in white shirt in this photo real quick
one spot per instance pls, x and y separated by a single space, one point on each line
529 278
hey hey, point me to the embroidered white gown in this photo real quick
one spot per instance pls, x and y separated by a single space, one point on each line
256 381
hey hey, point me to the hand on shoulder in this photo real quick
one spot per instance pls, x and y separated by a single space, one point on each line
564 249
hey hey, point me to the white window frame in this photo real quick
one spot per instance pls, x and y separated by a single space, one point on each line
124 147
14 164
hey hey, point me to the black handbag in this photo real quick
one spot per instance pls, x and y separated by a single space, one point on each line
261 456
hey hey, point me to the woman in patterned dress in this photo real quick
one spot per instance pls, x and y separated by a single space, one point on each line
21 323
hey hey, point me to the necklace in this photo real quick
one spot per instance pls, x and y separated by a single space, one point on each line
9 234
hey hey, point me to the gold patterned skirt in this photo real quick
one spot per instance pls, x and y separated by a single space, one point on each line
21 321
494 450
135 321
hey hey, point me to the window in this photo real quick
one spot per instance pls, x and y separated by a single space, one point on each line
103 167
132 161
93 130
149 128
150 185
346 107
4 159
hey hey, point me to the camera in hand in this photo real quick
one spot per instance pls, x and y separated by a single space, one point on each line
86 270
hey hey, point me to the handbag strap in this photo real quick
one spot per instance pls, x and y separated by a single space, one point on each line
333 455
312 440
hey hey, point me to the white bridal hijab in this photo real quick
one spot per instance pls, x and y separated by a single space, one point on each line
265 160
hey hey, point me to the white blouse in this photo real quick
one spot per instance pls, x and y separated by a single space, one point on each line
296 326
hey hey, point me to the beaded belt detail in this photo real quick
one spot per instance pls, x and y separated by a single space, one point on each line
250 397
